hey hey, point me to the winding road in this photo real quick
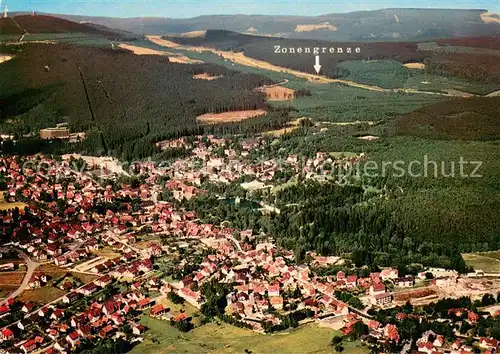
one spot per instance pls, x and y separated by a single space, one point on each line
31 265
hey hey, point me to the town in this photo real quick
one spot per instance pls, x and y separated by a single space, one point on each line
118 247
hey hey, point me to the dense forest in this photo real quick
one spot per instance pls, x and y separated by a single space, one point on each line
478 66
263 48
474 118
331 219
375 229
123 101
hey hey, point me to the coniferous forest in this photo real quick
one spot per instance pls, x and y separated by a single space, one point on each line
477 66
123 101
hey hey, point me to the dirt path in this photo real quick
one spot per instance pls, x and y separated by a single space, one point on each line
240 58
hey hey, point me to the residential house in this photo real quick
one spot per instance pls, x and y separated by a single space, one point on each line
406 282
490 344
377 289
381 299
158 310
276 302
6 334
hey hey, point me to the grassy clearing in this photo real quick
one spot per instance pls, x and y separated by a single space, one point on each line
41 295
482 261
84 277
189 309
52 270
107 252
492 254
223 338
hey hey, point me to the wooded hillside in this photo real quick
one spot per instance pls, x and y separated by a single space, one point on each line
118 97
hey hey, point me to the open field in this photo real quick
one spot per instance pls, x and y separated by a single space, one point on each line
42 295
56 272
488 262
174 58
223 338
189 309
229 117
141 50
290 127
315 27
11 278
206 76
6 290
84 277
194 34
277 93
414 65
183 60
52 270
5 206
107 252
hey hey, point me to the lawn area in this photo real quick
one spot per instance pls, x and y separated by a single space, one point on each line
224 338
175 308
107 252
84 277
52 270
483 261
42 295
56 272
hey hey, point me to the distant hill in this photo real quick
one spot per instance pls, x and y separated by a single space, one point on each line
465 119
28 24
380 25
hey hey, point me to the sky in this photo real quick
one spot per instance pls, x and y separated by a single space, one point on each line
192 8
